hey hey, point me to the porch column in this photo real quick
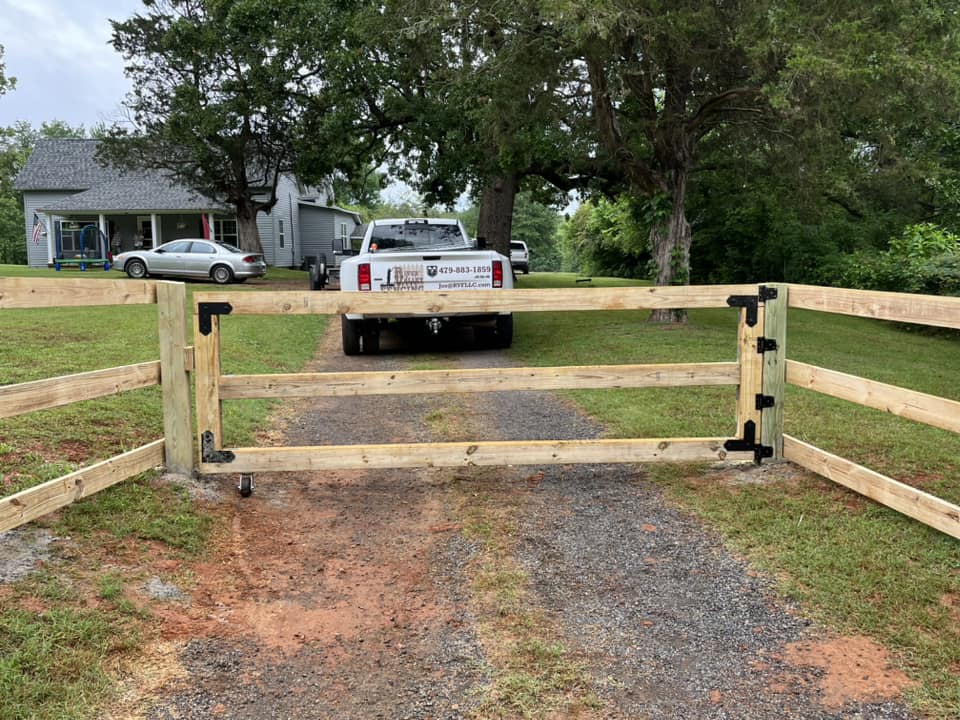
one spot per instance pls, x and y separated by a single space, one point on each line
153 229
158 230
213 227
103 234
51 240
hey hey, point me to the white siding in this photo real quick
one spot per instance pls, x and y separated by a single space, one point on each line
32 202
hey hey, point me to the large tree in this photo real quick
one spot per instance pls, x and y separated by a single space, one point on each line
220 90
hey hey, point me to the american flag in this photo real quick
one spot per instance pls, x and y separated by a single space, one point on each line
38 229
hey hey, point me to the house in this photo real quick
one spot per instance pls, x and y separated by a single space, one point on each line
75 207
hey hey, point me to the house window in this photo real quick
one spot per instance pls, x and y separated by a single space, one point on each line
344 237
226 230
280 232
144 232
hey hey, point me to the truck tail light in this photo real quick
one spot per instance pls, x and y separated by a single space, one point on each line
363 276
498 273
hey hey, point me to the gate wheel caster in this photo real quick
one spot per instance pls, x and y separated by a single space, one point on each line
246 484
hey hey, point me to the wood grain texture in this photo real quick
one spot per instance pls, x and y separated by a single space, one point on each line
460 454
206 373
177 409
35 502
339 384
919 505
55 392
899 307
774 370
73 292
751 372
921 407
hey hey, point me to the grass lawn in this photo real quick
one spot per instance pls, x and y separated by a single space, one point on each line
55 645
854 565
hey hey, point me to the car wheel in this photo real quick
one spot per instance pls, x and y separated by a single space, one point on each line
350 333
526 269
136 269
504 331
371 337
221 274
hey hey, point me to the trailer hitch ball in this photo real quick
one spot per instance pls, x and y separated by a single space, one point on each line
434 325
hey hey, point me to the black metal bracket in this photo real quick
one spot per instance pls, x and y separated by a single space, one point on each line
765 401
206 311
749 443
209 453
766 345
752 302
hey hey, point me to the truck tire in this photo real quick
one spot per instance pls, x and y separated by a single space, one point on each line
371 337
504 332
318 275
350 332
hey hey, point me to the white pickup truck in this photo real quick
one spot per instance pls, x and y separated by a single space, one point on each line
422 254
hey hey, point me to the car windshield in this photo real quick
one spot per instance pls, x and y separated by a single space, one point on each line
416 236
516 246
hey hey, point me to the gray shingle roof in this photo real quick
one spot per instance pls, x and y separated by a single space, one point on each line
71 164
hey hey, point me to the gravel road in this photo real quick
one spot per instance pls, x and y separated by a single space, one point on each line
344 595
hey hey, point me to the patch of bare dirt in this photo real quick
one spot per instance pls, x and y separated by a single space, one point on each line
854 669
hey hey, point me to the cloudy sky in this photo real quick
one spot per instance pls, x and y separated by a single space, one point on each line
59 52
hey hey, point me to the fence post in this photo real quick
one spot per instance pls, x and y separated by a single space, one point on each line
206 371
775 369
751 371
174 379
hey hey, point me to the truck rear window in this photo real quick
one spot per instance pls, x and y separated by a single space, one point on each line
417 236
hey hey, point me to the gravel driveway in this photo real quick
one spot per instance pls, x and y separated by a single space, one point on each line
345 595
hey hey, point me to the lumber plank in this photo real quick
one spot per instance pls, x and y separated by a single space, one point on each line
774 369
751 371
460 454
175 380
339 384
72 292
35 502
206 373
899 307
53 392
914 503
910 404
477 301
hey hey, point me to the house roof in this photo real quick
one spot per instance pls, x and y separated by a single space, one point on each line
71 164
312 204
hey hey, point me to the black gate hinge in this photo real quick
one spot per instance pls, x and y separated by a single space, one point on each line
765 401
749 443
767 293
206 311
752 302
766 345
209 453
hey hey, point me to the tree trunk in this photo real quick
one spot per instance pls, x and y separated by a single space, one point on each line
670 242
496 212
248 234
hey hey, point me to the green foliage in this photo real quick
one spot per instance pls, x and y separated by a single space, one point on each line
608 238
536 225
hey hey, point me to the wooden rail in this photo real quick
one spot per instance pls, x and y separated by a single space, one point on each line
53 392
37 501
73 292
338 384
899 307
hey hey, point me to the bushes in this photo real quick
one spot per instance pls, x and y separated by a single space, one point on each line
925 258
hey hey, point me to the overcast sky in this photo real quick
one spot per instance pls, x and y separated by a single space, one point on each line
59 52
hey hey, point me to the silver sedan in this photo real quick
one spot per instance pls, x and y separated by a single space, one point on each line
199 258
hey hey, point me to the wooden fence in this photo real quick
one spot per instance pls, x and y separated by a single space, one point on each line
175 449
760 373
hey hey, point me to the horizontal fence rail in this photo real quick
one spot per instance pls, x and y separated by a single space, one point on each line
54 392
899 307
476 301
337 384
18 293
465 454
910 404
37 501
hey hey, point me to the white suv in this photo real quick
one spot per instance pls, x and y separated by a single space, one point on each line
519 256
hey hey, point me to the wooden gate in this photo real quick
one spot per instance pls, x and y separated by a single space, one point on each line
759 372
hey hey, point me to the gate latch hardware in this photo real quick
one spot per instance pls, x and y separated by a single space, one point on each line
766 345
749 443
209 454
752 302
206 311
765 401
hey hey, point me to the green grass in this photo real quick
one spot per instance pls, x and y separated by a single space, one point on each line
53 660
854 565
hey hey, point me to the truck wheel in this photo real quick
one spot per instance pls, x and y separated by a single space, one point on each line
350 332
504 336
371 337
